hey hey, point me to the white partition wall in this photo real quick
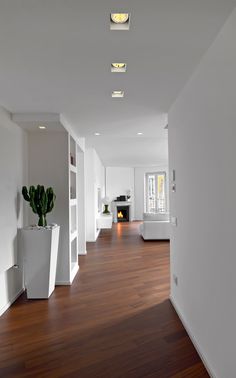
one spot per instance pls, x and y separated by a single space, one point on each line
13 173
202 140
95 189
81 203
73 209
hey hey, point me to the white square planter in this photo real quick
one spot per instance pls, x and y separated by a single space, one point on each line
40 248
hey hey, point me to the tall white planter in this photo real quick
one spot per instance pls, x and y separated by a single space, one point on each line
40 248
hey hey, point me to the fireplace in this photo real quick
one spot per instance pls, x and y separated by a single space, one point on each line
122 213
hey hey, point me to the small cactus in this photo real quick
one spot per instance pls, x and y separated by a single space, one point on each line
41 201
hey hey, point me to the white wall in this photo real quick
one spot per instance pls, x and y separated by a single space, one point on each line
202 146
139 180
13 173
94 179
118 181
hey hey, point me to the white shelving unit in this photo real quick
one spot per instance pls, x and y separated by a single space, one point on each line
73 168
73 201
73 207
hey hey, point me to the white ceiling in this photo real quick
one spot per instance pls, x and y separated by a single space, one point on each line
131 152
55 57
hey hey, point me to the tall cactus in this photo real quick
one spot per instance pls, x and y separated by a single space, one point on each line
41 201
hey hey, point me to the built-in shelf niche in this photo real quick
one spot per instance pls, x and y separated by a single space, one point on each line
74 252
73 185
73 154
73 219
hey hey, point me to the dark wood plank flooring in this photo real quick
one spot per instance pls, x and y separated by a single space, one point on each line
115 321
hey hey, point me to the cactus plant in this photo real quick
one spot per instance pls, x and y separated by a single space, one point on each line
41 201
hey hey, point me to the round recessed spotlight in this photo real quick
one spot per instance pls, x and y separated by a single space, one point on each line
97 134
42 127
139 133
119 18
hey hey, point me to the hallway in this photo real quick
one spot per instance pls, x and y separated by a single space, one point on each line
115 321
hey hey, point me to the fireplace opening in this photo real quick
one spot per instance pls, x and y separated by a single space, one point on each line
122 213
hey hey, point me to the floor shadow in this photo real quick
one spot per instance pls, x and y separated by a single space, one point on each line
151 343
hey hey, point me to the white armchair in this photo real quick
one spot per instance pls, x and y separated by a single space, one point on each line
155 226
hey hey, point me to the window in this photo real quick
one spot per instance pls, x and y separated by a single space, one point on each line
155 185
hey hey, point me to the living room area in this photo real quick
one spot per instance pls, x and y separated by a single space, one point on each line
128 193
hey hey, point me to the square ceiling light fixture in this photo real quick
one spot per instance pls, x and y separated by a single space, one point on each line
118 67
119 21
117 94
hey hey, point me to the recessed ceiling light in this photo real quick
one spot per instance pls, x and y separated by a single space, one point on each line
119 18
117 94
118 67
119 21
41 127
139 133
97 134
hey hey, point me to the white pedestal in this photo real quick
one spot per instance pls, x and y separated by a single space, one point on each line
40 248
104 221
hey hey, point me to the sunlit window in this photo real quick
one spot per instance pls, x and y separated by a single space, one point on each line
155 196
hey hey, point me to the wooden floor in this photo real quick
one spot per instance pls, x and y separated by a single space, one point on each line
115 321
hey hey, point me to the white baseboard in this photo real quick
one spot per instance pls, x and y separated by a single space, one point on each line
82 253
97 234
194 341
5 308
63 283
69 283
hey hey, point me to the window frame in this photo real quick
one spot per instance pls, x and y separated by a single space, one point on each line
146 200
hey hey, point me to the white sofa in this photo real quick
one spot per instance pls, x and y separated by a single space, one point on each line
155 226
